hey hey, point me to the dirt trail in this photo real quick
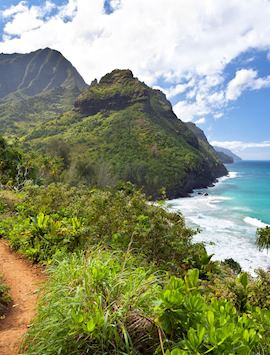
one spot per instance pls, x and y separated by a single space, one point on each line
24 279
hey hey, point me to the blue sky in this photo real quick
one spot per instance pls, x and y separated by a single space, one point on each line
211 58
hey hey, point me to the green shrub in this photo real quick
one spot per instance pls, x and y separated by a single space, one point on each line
193 325
259 289
120 219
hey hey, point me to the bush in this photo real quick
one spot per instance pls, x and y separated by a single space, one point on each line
120 219
194 325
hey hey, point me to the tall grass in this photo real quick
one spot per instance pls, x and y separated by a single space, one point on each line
95 305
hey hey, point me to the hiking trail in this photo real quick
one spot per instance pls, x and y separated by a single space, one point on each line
24 280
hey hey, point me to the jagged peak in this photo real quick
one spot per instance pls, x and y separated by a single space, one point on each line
117 76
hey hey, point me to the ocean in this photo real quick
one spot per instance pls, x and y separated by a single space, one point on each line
229 216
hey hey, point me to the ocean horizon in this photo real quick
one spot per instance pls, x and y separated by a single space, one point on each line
229 215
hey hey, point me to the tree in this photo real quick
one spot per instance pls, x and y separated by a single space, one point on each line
263 238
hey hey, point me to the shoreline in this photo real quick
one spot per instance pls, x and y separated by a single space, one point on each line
228 228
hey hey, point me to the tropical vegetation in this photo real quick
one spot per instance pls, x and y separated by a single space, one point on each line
125 275
263 238
129 280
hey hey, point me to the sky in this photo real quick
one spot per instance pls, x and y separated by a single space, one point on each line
210 57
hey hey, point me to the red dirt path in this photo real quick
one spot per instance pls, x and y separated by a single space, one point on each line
24 280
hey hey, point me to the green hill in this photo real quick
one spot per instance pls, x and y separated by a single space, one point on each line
122 130
35 87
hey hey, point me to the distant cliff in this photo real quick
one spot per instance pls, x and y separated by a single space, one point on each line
227 156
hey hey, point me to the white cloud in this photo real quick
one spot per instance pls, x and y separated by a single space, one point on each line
240 146
186 43
200 121
14 9
23 19
245 79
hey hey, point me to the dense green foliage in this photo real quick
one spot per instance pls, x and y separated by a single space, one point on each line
14 169
20 113
125 278
103 303
263 238
99 304
57 219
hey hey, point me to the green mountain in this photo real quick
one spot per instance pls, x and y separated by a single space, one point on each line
205 146
35 87
122 130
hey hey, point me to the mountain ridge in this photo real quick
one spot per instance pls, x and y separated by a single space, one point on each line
35 87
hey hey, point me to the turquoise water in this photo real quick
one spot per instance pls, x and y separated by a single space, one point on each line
250 188
231 213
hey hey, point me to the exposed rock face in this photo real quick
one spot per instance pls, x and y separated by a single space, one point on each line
112 94
126 131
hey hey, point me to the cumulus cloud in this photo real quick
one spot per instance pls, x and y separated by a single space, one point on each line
21 18
245 79
200 121
183 44
240 146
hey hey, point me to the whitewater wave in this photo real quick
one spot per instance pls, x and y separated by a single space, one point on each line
231 175
255 222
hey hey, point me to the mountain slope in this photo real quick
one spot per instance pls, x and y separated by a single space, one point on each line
34 87
204 144
225 158
229 153
122 130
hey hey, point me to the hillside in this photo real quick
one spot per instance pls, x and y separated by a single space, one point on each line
34 87
205 146
122 130
235 158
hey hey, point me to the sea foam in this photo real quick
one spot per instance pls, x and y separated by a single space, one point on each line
255 222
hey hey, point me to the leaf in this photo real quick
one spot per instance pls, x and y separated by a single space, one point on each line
90 326
210 317
243 278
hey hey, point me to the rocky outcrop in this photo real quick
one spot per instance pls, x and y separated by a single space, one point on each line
111 94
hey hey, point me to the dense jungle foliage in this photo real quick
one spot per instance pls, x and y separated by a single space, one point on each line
126 278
